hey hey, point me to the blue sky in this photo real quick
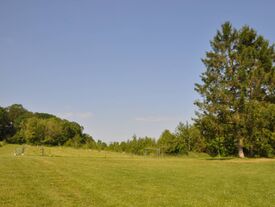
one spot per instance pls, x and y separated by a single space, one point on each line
117 67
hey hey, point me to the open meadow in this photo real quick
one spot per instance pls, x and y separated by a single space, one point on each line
80 177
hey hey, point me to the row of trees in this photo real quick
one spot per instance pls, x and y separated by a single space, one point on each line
186 138
18 125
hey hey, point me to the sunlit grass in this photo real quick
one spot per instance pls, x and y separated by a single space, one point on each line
82 177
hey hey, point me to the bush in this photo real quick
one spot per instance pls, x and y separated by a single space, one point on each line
2 143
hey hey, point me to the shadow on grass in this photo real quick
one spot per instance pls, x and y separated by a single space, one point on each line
38 155
220 158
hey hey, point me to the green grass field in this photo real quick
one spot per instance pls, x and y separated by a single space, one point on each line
78 177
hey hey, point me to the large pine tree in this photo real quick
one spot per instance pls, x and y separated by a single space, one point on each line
239 77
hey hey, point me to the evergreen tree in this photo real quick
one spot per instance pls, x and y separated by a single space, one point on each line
5 125
239 73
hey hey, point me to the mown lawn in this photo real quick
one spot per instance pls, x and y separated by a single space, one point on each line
78 177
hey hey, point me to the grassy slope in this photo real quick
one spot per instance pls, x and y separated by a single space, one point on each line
70 177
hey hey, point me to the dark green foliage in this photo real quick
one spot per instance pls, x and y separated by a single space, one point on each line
186 138
10 119
260 128
44 115
15 111
189 138
238 94
135 145
100 145
5 125
17 125
172 144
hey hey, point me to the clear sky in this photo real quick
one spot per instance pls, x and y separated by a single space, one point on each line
117 67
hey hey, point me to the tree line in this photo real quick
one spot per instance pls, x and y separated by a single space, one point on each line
18 125
185 139
236 111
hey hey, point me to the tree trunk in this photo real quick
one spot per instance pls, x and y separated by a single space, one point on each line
240 148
